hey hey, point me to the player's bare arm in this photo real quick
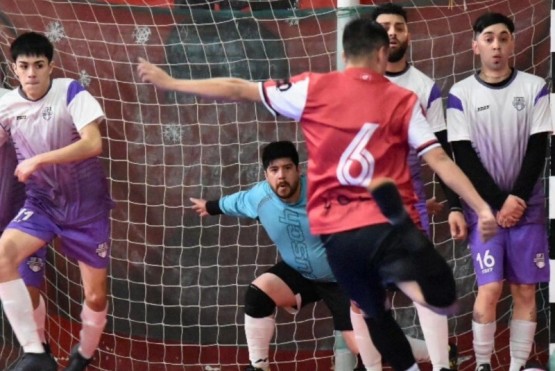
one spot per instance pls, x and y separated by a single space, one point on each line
89 145
455 179
218 88
199 205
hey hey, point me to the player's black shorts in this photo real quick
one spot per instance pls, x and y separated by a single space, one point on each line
368 259
311 291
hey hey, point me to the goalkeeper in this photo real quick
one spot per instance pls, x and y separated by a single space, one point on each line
304 276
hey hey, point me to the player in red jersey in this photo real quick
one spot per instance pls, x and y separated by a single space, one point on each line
359 127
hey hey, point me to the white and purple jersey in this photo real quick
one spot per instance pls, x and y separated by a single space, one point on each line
72 193
498 121
429 96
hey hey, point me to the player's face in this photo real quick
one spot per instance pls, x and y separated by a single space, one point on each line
495 45
283 176
33 73
398 33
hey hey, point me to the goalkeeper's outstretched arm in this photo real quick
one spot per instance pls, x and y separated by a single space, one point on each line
227 88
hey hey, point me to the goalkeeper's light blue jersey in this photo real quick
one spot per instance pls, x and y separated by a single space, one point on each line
287 226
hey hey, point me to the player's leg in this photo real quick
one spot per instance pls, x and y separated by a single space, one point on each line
32 271
281 286
436 334
488 264
418 346
523 324
371 358
90 246
339 305
351 256
526 265
24 235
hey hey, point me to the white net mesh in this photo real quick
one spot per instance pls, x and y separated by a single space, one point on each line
177 282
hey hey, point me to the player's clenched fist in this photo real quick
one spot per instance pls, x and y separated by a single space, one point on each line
487 225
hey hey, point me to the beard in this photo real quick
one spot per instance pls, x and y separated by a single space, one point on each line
285 190
397 54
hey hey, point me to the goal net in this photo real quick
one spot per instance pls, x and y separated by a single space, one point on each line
177 281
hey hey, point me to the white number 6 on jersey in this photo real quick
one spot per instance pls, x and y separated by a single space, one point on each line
357 152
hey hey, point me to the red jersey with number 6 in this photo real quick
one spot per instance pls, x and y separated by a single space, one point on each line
357 126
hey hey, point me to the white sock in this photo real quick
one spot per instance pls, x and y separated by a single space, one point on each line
483 341
436 334
344 359
413 368
92 327
522 339
39 315
19 311
419 349
371 358
259 333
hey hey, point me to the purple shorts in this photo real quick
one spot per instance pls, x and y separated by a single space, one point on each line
88 243
518 254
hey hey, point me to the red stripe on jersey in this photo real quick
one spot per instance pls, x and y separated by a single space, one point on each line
426 146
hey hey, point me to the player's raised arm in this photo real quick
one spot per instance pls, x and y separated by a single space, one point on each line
218 88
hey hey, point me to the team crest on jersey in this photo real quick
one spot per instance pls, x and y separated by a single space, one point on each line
540 260
47 113
518 103
102 250
35 264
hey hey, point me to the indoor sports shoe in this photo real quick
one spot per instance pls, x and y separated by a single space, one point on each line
76 361
35 362
484 367
533 366
252 368
453 356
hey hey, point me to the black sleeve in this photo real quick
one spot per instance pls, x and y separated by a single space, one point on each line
532 165
468 160
213 207
453 200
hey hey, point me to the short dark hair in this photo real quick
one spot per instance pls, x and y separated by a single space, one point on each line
32 44
389 8
362 37
488 19
280 149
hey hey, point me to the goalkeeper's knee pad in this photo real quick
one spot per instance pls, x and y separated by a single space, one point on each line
257 303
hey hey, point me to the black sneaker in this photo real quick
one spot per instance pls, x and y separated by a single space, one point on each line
533 366
252 368
453 356
484 367
76 361
360 364
35 362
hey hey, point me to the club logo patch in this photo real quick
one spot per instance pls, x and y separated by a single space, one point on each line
35 264
519 103
540 260
47 113
102 250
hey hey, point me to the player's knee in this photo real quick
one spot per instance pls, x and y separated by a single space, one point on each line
441 294
97 301
257 303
